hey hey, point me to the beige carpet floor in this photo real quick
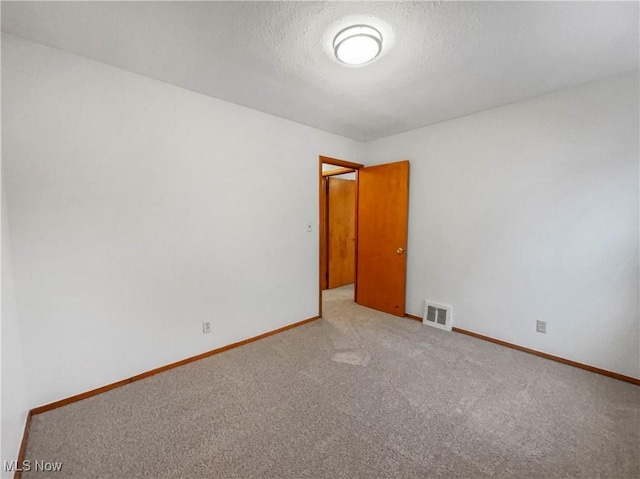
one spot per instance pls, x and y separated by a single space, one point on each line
358 394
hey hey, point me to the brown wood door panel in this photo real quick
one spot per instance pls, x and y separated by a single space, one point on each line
341 213
383 210
324 257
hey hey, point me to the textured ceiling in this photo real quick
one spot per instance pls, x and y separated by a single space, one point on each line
441 59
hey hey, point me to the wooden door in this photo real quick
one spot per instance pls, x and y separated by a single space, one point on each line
383 207
341 220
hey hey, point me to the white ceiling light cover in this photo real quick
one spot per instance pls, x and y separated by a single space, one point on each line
357 45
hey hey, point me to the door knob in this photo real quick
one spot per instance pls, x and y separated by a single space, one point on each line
401 250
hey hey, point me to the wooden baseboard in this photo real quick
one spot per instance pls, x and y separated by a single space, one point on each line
138 377
23 446
604 372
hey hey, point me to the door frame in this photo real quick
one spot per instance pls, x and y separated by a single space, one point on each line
345 167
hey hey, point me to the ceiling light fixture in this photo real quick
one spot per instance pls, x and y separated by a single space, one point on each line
357 45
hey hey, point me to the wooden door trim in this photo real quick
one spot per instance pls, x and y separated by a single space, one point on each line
338 162
338 171
324 236
321 228
354 167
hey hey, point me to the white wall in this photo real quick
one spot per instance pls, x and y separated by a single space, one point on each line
14 404
530 211
138 209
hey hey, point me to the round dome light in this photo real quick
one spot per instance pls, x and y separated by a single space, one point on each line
357 45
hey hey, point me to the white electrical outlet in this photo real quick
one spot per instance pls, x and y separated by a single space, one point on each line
541 326
206 327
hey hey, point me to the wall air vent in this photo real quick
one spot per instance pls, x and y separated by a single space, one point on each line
438 315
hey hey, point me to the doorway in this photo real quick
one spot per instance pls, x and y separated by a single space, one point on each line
338 208
378 235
